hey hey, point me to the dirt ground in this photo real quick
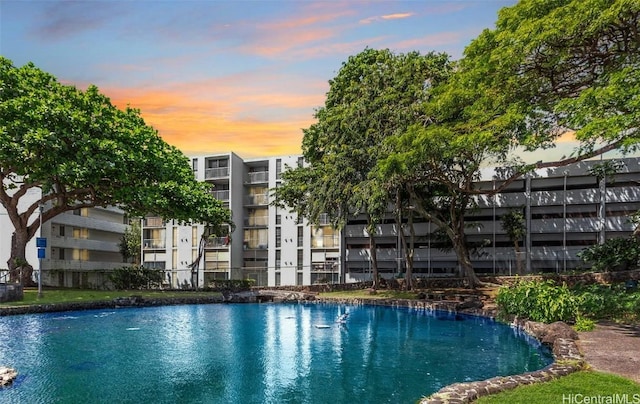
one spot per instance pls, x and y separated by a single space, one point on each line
612 348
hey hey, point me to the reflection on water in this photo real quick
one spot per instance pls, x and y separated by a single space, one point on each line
254 353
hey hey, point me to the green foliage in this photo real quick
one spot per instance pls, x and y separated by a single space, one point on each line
82 151
136 277
584 324
538 301
608 302
514 225
614 254
233 285
553 66
131 242
546 301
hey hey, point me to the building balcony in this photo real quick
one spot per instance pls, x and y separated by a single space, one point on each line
214 173
153 243
153 222
256 221
222 195
257 177
257 199
325 242
217 242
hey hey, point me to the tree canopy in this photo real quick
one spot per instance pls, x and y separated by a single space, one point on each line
548 68
375 94
82 151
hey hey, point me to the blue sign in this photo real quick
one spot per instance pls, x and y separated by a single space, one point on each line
41 242
41 253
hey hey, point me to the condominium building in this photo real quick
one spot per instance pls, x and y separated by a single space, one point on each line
565 210
268 245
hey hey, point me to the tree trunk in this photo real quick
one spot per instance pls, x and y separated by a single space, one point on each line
519 269
408 254
19 269
374 260
468 272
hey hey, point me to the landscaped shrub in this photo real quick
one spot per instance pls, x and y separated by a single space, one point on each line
608 301
233 285
538 301
547 302
614 254
135 277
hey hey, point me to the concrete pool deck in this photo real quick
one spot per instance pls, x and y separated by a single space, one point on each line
612 348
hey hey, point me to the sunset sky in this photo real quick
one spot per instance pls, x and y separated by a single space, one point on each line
220 75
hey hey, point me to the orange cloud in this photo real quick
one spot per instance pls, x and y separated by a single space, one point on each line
221 115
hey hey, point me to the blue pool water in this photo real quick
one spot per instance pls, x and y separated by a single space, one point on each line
254 353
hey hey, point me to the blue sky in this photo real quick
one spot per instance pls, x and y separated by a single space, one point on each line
220 75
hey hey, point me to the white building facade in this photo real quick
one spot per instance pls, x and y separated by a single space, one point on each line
268 245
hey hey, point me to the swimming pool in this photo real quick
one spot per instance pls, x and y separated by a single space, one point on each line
254 353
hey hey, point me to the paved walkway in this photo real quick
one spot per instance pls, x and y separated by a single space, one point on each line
612 348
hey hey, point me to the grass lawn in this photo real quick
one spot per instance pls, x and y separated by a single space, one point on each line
52 296
580 387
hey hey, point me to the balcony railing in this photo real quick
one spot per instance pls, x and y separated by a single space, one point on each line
257 199
325 242
325 267
256 221
218 172
153 243
255 244
217 242
153 222
221 195
258 177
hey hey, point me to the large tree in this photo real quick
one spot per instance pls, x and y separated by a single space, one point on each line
547 69
375 94
555 67
77 150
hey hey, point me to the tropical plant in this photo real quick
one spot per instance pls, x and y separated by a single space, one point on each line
77 150
514 225
375 94
131 242
614 254
538 301
135 277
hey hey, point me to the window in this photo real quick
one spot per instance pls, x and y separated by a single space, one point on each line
300 236
300 261
278 169
278 259
278 236
194 164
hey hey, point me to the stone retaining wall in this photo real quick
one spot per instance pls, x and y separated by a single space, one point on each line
11 292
